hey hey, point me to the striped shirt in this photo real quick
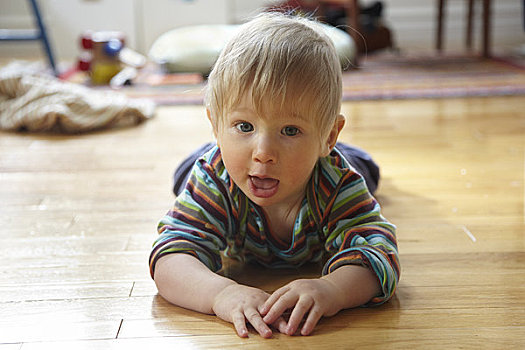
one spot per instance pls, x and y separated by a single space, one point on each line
338 219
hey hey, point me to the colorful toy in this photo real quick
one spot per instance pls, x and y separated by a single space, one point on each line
107 59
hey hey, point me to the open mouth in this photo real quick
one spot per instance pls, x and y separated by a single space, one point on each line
263 187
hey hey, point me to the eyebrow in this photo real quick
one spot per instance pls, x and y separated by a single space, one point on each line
242 110
292 115
281 114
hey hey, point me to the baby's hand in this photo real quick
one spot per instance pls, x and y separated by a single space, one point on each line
317 297
238 303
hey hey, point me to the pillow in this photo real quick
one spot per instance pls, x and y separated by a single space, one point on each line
196 48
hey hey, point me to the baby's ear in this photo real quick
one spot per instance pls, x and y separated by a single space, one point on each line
212 122
334 134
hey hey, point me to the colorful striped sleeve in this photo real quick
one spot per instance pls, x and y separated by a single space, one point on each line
357 234
198 222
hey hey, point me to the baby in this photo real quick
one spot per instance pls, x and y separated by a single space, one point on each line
276 189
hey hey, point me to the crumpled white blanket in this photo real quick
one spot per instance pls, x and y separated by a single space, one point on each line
41 103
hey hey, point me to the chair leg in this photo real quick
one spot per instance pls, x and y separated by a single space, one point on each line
440 19
486 27
470 15
43 35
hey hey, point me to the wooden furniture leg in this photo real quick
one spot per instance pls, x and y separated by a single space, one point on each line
440 19
470 14
486 27
469 26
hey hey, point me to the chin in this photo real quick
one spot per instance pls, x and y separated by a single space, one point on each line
262 202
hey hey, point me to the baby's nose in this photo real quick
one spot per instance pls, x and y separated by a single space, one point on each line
265 151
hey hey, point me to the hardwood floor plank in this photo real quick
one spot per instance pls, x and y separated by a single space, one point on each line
62 290
103 267
466 238
358 319
54 330
469 338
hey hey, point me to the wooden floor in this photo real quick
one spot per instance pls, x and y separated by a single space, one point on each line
78 216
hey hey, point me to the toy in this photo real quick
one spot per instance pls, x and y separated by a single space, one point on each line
107 59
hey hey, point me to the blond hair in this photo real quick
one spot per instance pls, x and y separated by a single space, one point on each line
288 65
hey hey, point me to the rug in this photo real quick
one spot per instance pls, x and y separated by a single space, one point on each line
379 77
398 77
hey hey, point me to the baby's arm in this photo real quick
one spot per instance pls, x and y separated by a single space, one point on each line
348 286
364 268
184 281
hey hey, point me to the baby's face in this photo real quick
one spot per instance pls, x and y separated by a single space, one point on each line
270 159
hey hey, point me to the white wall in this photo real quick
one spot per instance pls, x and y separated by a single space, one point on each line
141 20
65 21
412 21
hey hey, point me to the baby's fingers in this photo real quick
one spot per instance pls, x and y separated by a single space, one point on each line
311 321
265 308
280 325
302 307
284 303
239 322
257 322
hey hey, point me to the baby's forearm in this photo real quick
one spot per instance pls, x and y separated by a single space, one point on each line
184 281
357 284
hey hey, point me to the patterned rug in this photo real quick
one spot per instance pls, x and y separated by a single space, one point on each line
397 77
380 77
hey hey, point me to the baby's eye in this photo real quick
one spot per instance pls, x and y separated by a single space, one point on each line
244 127
290 131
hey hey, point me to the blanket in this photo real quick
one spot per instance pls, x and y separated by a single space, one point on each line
35 102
